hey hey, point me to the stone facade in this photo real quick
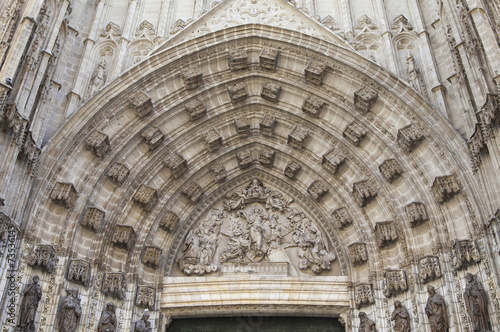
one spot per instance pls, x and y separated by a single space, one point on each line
337 156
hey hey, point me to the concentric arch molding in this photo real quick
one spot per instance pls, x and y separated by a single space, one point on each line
306 204
184 297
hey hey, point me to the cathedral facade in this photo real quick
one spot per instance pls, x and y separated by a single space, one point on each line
165 160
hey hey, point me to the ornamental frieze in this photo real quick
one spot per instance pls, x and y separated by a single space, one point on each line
255 230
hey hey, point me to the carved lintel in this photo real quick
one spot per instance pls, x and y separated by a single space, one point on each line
416 213
118 173
268 58
313 106
124 237
465 253
93 219
341 218
219 172
244 158
169 221
79 271
409 137
429 269
267 125
355 133
385 233
177 164
315 72
394 283
113 284
147 197
193 192
317 189
142 104
213 139
271 91
364 192
242 126
297 137
237 59
153 137
64 194
363 295
333 159
390 170
292 170
151 256
364 98
145 297
357 253
266 157
98 144
44 257
196 109
192 77
237 92
444 188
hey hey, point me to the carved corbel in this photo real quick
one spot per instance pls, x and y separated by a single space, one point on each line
267 125
364 99
315 72
169 221
416 213
153 137
364 192
98 143
124 237
268 58
151 256
242 126
145 297
192 77
394 282
79 271
44 257
113 284
409 138
390 170
244 158
147 197
196 109
142 104
385 233
118 173
177 164
317 190
213 139
297 137
444 188
363 295
93 219
266 157
237 92
355 133
292 170
219 172
334 159
357 253
64 194
237 59
465 253
341 218
429 269
193 192
271 91
313 106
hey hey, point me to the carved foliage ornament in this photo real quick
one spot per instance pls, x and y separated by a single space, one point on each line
219 172
266 157
317 190
193 192
196 109
242 126
416 213
44 257
213 139
390 170
79 271
244 158
257 226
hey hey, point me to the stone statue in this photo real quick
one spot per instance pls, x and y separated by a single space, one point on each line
366 324
436 311
476 303
32 294
400 317
143 325
98 79
70 311
107 323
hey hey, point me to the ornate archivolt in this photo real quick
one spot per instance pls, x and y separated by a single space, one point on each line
351 167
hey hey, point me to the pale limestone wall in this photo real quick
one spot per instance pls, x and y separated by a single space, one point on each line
453 68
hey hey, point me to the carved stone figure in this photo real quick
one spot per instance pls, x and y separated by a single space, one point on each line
400 317
70 311
476 302
366 324
107 323
97 80
32 294
436 311
143 325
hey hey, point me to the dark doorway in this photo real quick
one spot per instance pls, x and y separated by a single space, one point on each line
257 324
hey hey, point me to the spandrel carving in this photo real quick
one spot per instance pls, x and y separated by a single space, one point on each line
118 173
145 297
169 221
271 91
394 282
313 106
315 72
147 197
64 194
268 58
429 269
237 59
98 144
44 257
364 98
237 92
257 226
363 295
79 271
267 125
465 253
93 218
476 302
341 218
297 137
113 284
444 188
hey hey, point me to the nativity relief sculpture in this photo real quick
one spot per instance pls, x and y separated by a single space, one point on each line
259 228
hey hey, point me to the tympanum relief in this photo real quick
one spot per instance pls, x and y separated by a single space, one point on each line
259 230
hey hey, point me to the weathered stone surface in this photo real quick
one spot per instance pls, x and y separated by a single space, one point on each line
145 297
267 125
292 169
409 137
363 295
297 137
313 106
124 237
465 253
429 269
394 283
385 233
151 256
315 72
142 104
192 77
213 139
444 188
364 98
390 170
177 164
237 92
268 58
118 173
93 218
355 133
271 91
64 194
169 221
147 197
196 109
98 144
237 59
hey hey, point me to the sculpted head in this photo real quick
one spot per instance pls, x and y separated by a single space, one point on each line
145 316
469 277
36 279
75 292
397 304
431 290
110 306
362 316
